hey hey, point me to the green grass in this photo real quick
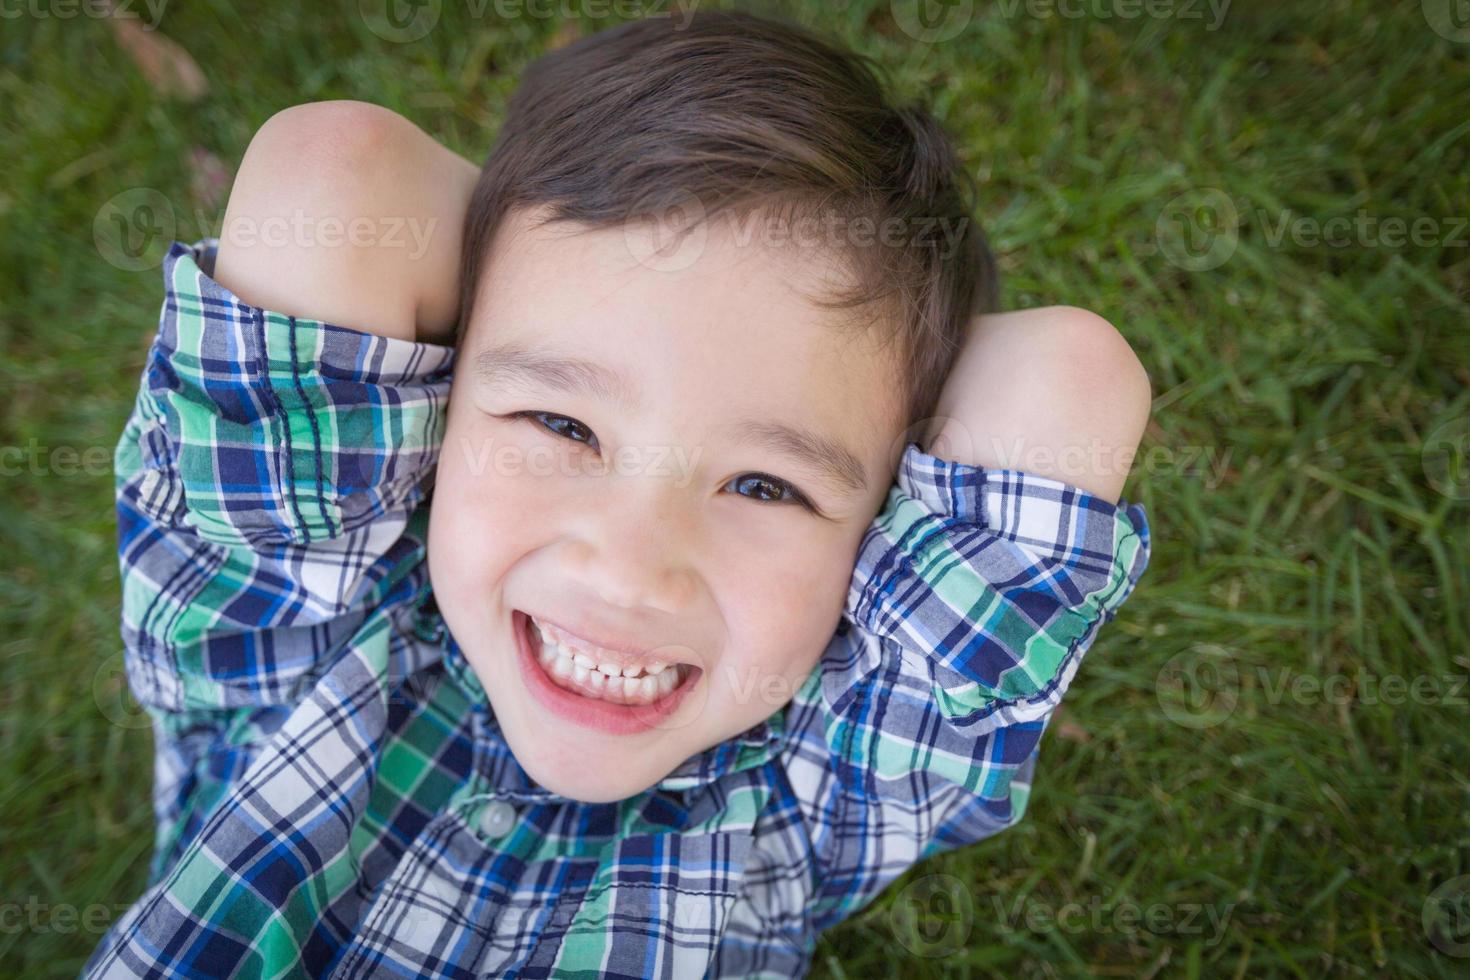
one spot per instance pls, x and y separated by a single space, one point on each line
1300 389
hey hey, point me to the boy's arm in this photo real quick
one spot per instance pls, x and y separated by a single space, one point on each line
975 594
288 420
1055 392
347 212
282 438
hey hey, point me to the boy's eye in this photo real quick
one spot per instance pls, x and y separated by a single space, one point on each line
769 489
567 428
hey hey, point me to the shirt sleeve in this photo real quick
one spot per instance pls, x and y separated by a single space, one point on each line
268 483
974 596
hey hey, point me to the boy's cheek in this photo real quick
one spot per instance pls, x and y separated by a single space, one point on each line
478 527
752 694
775 640
791 616
490 486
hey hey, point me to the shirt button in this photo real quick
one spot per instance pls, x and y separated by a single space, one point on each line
497 819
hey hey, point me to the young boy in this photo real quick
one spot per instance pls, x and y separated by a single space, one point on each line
714 650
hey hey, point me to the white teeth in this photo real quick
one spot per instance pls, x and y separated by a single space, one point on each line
609 682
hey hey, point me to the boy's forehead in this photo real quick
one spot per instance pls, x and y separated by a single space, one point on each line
732 333
726 252
729 302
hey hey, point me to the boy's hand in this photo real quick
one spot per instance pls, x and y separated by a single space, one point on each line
1055 392
347 212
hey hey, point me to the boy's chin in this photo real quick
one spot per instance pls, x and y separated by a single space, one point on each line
586 767
585 781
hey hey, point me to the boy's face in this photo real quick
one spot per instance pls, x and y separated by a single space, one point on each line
641 507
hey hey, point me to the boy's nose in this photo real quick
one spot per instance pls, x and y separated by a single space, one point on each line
635 552
646 577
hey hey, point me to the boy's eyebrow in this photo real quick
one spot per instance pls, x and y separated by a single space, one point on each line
509 363
839 464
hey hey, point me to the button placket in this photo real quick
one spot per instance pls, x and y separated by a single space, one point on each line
497 819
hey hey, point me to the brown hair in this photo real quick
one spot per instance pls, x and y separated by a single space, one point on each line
750 114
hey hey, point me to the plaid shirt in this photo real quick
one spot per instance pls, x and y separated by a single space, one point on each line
332 792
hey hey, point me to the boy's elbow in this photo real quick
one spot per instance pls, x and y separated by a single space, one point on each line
1100 393
1055 391
1109 394
1102 366
308 205
328 145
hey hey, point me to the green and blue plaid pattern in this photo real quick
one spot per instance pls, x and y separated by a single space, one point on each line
334 796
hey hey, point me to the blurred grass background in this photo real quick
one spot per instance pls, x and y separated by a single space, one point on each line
1262 769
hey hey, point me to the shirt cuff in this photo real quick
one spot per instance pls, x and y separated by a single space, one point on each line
998 578
261 428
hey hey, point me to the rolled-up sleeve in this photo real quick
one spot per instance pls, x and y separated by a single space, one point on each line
268 484
999 577
975 594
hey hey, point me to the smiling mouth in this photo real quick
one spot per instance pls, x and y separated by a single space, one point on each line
643 689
